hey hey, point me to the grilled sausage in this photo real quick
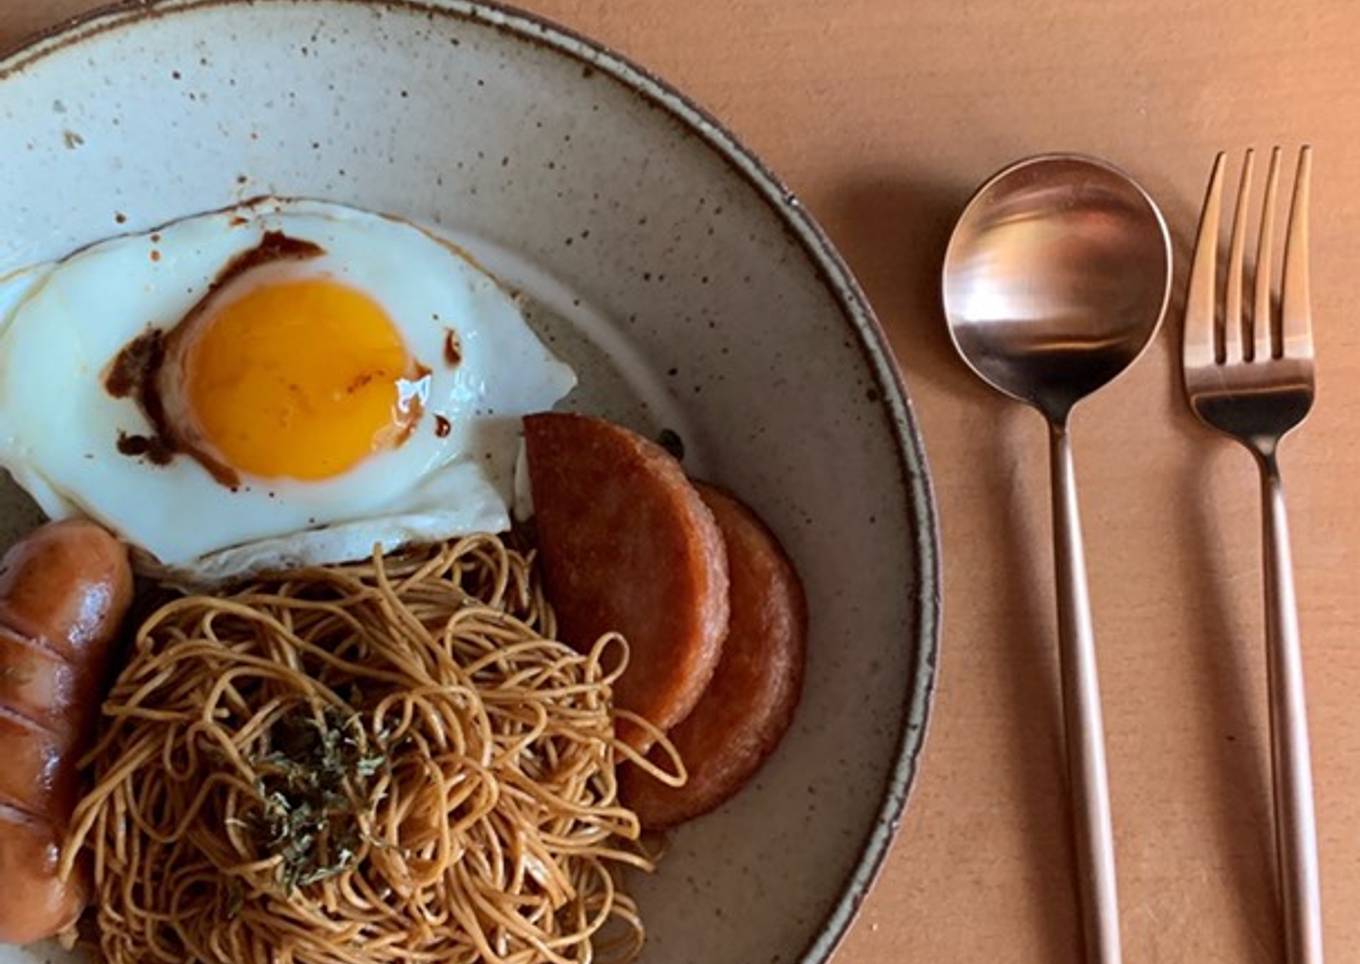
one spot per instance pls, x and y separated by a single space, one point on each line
63 592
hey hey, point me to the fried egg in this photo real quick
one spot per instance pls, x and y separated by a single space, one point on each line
282 383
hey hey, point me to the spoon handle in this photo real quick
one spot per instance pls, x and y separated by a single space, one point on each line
1085 732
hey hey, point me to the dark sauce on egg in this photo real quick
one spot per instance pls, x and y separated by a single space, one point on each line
442 426
136 370
453 348
274 246
135 374
137 358
152 448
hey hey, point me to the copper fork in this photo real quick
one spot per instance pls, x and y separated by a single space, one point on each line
1250 375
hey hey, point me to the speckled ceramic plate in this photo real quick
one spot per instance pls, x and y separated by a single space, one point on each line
661 258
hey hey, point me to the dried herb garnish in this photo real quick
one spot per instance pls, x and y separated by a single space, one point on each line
314 783
236 898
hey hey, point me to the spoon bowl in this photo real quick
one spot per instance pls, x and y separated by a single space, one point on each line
1056 278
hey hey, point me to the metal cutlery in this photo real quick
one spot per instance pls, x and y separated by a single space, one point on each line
1248 369
1055 281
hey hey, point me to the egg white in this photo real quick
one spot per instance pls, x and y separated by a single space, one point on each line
62 324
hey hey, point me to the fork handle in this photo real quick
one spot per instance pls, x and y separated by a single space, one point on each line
1295 826
1083 727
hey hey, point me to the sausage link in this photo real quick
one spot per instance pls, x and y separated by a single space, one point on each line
63 593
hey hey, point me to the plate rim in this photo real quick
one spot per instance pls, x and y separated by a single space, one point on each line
840 282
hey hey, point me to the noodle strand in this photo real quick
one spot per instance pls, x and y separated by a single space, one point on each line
387 761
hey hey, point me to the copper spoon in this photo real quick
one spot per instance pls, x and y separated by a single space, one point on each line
1055 280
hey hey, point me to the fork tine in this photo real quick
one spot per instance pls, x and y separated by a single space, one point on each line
1232 306
1198 347
1296 322
1262 317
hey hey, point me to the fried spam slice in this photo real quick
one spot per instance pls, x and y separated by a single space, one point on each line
627 545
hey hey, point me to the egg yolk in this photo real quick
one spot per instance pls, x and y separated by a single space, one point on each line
301 378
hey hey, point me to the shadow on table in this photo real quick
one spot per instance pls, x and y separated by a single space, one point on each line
1232 711
1232 731
1029 666
894 232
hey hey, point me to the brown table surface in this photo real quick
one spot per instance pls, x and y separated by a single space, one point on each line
882 115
